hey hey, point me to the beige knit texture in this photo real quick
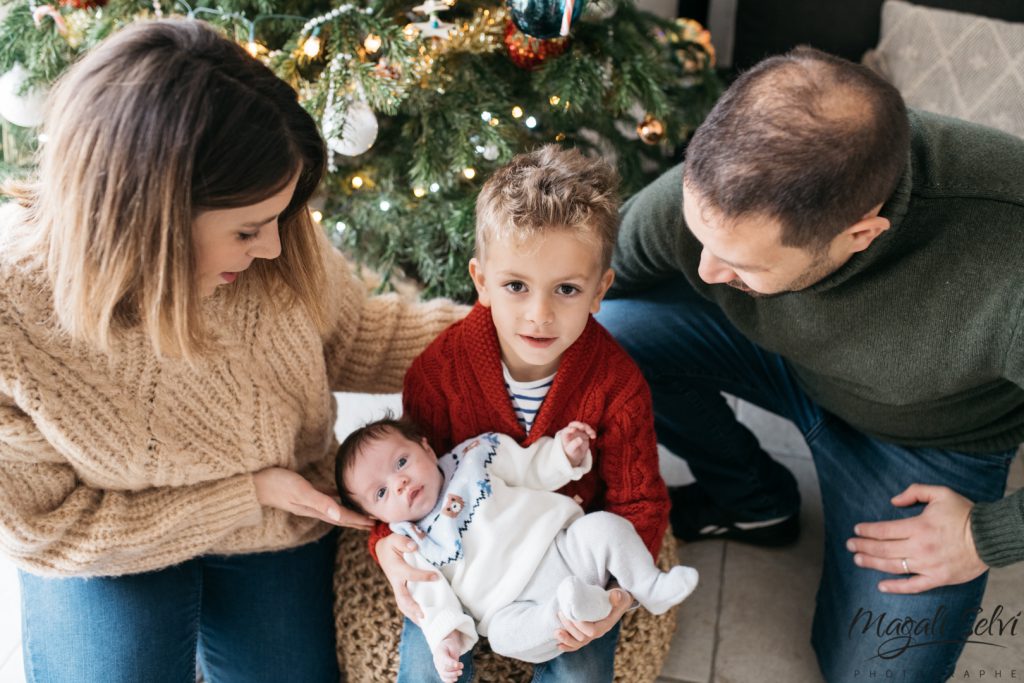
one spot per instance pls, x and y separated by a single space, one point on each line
369 626
134 463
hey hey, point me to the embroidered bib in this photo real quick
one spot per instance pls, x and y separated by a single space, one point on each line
467 483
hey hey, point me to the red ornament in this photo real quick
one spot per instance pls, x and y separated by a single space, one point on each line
84 4
528 52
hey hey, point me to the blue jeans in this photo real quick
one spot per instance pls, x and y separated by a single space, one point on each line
689 352
251 618
591 664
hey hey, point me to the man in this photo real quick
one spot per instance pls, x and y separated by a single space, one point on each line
859 269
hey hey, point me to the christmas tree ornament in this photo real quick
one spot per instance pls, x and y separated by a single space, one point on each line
20 109
43 11
650 130
598 11
545 18
527 52
83 4
691 44
352 132
433 27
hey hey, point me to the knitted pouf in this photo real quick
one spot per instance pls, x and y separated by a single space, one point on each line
369 625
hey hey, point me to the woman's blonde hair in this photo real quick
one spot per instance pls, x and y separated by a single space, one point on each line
550 188
161 121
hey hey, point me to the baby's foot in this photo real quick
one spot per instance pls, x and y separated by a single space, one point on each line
668 589
580 601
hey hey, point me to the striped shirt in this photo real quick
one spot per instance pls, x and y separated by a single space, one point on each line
527 397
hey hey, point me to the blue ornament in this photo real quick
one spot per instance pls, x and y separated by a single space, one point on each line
545 18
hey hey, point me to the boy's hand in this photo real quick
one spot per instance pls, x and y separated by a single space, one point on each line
575 634
390 554
576 441
446 657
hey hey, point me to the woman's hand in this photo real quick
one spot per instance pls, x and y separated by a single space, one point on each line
575 634
390 554
283 489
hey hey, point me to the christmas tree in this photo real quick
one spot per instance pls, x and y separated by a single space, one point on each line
418 104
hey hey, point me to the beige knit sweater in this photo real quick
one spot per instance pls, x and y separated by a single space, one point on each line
118 466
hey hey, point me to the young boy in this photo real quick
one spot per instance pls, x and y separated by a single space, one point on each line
514 553
530 357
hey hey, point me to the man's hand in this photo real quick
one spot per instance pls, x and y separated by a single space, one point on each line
936 545
576 441
390 554
446 657
286 490
575 634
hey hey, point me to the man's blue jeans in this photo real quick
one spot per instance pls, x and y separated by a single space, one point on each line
593 663
256 618
689 353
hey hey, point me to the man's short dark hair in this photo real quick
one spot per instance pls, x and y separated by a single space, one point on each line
354 443
811 140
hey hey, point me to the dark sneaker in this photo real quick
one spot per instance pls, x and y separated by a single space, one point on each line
696 517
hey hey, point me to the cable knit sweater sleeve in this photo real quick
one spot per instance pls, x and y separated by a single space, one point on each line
53 524
372 340
629 466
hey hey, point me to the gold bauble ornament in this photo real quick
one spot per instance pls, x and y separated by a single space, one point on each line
650 130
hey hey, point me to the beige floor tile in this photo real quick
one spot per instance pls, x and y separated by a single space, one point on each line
692 655
768 601
776 434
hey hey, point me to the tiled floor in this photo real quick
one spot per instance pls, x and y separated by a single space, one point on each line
749 620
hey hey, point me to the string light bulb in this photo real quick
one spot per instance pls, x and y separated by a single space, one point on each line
418 192
311 48
317 215
469 172
517 112
530 122
554 100
434 187
357 181
372 43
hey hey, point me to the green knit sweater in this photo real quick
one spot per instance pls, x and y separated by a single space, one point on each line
919 340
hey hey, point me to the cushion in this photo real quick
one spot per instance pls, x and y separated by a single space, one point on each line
952 63
369 625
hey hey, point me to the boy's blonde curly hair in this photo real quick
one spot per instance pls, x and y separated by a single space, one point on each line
550 188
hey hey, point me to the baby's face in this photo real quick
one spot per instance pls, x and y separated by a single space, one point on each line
394 479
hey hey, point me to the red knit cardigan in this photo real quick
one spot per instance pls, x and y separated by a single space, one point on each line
455 390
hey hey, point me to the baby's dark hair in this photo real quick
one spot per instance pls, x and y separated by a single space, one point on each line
368 433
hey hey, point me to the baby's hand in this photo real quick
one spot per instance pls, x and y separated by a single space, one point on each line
576 441
446 657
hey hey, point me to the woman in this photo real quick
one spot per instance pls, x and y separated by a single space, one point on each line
172 325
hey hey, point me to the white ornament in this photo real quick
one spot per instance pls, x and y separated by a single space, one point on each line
21 110
433 27
600 10
355 134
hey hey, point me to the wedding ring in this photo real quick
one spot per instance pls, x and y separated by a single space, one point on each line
906 569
